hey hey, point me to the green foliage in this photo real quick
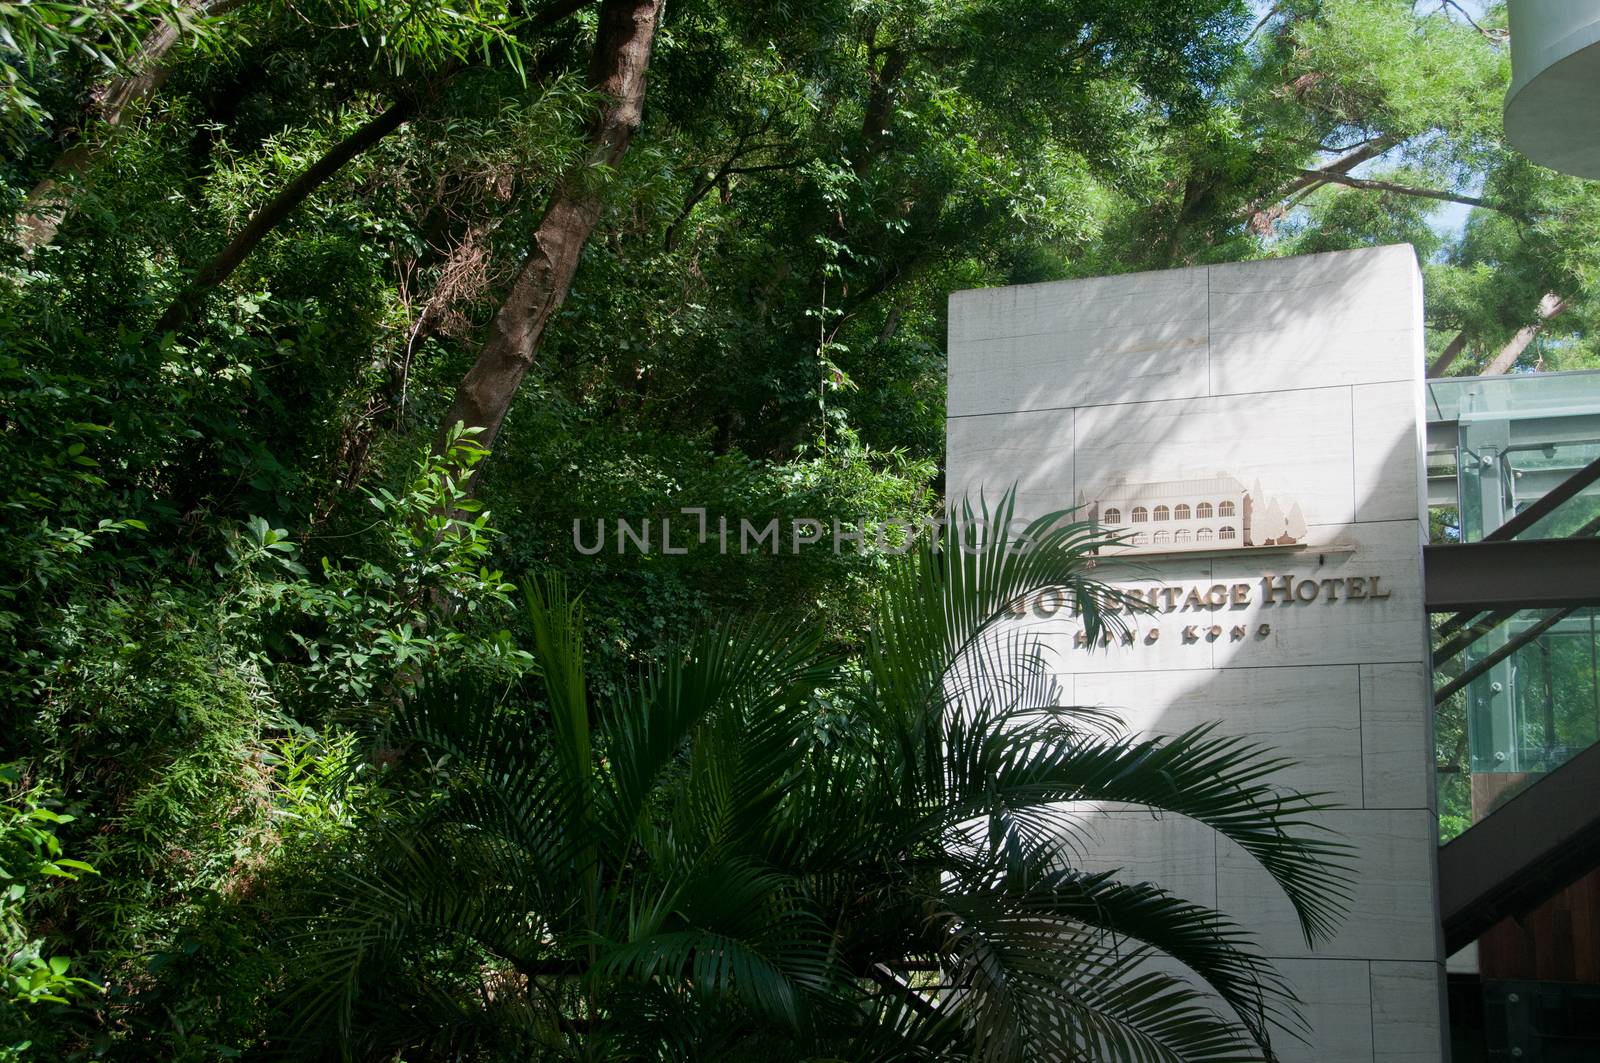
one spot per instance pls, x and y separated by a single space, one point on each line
430 32
30 856
569 477
683 865
363 625
226 553
38 34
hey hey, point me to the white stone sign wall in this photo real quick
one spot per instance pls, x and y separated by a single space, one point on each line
1299 382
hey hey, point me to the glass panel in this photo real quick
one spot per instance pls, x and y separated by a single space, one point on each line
1517 437
1536 470
1535 706
1524 687
1449 397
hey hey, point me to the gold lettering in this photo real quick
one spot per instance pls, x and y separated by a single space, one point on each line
1193 601
1241 594
1080 638
1172 596
1155 634
1263 631
1300 591
1049 602
1238 632
1191 633
1330 587
1127 636
1217 596
1355 588
1271 591
1373 593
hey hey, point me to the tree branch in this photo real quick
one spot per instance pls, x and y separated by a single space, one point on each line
1489 35
1266 18
704 185
50 200
1327 176
263 221
1261 218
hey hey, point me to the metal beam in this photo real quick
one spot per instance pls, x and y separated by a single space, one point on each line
1506 649
1529 484
1531 574
1548 504
1447 651
1522 853
1455 623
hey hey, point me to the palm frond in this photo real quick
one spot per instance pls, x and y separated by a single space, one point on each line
1217 781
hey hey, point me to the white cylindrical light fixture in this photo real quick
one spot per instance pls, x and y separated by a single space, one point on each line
1553 106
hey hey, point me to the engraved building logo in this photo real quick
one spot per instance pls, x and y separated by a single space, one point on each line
1211 513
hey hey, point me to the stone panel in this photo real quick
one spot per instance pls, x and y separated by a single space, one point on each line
1286 709
1391 916
1117 362
1401 992
1125 300
1335 1014
1324 631
1032 451
1395 706
1178 853
1388 450
1337 1009
1297 444
1314 321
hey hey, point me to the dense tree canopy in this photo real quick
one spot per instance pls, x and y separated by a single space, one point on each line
321 323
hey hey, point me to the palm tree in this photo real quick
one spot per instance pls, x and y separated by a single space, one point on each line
694 871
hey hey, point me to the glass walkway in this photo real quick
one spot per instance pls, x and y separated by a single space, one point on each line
1514 596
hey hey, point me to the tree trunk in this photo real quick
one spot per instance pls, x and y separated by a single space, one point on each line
880 105
617 69
276 210
1448 356
1551 305
48 202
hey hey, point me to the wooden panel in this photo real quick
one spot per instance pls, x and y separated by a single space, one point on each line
1556 942
1559 941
